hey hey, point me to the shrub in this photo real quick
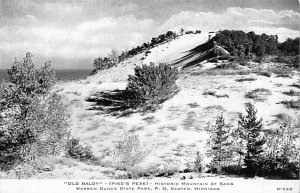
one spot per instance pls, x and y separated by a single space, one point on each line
291 93
32 120
22 171
281 156
296 85
245 79
283 76
266 74
77 151
232 169
210 93
152 85
127 150
259 94
103 64
228 65
292 104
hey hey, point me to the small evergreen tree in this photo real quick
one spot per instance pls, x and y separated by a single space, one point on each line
250 129
220 143
198 163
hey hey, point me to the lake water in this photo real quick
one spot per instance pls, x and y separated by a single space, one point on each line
60 74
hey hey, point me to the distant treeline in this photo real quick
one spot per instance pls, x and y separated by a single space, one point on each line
250 45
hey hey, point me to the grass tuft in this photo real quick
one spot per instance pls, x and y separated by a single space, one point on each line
245 79
259 94
292 104
291 93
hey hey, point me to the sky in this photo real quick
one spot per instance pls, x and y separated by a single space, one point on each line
72 33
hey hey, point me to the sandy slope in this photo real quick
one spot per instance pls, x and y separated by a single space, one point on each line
174 133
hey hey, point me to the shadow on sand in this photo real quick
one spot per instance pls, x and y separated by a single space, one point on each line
116 102
207 51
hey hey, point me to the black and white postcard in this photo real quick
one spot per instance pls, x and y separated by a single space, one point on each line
149 96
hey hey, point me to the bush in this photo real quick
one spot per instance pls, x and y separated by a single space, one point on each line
291 93
281 156
266 74
127 151
33 121
152 85
228 65
149 87
103 64
245 79
292 104
209 92
232 169
77 151
259 94
295 85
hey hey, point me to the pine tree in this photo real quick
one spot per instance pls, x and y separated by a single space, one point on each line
250 131
219 142
32 119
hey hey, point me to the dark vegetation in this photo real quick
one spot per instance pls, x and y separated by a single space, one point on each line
250 46
241 47
266 74
150 86
77 151
246 45
290 47
245 79
250 150
295 85
292 104
33 122
292 93
259 94
210 93
102 64
213 93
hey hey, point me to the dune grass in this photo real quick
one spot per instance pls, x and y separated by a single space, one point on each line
245 79
291 93
259 94
292 104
